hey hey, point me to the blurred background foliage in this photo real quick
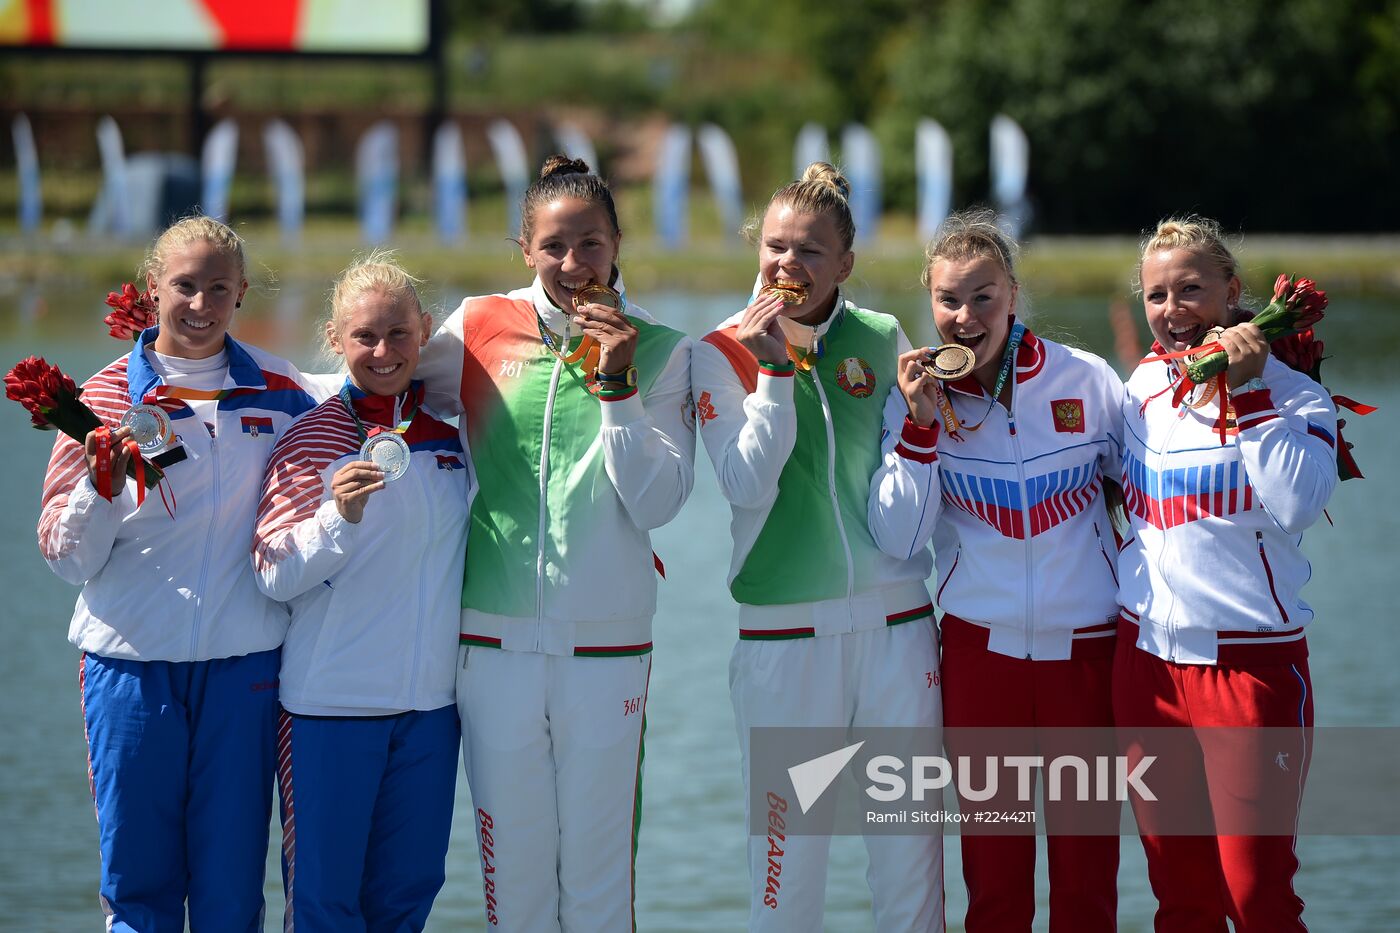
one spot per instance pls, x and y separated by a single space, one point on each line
1276 115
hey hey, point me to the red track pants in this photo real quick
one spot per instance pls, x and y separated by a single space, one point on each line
1201 880
985 689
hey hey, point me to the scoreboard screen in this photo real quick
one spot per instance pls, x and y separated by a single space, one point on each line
387 27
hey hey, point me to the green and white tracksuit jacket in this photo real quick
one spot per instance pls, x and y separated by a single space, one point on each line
794 452
560 559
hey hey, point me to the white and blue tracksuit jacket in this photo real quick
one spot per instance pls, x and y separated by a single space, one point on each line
1021 538
1213 571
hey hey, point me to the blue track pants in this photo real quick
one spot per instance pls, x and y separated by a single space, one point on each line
366 815
180 757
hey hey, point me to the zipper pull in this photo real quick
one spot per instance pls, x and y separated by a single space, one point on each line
1011 423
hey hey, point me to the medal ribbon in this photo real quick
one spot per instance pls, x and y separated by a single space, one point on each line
403 419
180 392
806 359
1008 361
103 438
945 408
557 344
1183 383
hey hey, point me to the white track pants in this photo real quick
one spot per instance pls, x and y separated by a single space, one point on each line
553 753
881 677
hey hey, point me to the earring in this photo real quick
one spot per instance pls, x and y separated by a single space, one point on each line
155 299
238 304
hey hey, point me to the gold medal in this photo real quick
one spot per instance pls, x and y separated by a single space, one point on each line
792 293
596 293
950 362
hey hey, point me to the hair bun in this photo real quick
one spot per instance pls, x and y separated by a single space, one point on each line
563 165
824 173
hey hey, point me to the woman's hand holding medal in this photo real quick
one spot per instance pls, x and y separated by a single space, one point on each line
758 329
918 386
117 454
608 326
352 485
1248 351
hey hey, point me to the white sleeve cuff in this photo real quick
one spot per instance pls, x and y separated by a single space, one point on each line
623 411
329 518
85 499
775 389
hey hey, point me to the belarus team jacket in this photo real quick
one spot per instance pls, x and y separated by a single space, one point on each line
374 604
157 588
794 452
1213 571
571 484
1015 508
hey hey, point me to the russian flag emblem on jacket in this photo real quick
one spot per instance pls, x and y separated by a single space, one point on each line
255 425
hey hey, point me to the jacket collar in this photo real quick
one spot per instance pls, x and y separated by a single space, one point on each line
141 377
380 409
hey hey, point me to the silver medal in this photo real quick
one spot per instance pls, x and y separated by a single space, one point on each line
389 452
150 427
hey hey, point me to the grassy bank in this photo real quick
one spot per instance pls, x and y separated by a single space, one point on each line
716 260
711 263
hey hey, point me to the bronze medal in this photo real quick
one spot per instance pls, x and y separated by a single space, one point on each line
949 362
1209 389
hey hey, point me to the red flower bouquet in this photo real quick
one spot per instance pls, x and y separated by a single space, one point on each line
132 312
1296 306
53 402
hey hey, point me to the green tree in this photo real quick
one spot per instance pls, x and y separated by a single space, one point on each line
1269 115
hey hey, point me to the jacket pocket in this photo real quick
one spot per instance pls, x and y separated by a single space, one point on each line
1269 575
1108 560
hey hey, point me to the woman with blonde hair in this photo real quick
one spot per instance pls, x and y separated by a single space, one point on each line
790 394
180 650
1005 440
362 531
1220 487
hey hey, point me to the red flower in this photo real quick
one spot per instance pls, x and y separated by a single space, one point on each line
36 385
132 312
1302 352
1307 301
1296 306
54 401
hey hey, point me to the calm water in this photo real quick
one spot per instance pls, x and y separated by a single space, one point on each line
690 871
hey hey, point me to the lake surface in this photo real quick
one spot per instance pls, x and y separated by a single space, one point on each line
691 872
